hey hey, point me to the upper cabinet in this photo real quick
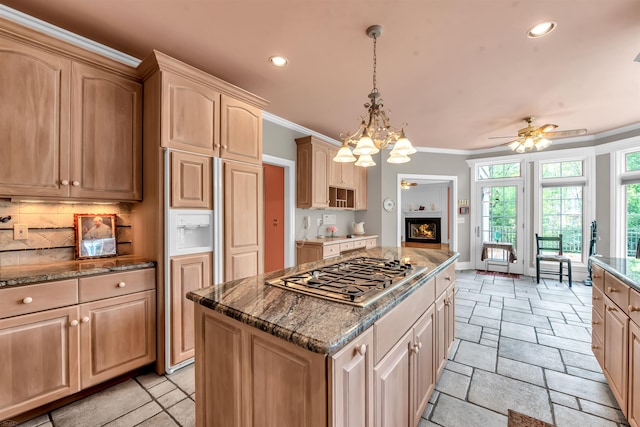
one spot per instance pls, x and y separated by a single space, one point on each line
200 113
71 120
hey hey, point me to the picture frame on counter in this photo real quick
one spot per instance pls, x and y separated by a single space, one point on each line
95 235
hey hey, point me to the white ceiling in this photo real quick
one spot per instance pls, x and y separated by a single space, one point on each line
457 71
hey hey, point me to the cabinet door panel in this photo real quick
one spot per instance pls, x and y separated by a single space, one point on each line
188 273
34 118
117 335
39 359
191 181
441 344
361 188
320 165
241 131
424 366
633 414
450 308
106 135
392 386
616 333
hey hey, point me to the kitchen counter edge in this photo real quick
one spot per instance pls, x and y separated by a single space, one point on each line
625 269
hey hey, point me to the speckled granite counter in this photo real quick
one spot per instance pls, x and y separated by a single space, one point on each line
625 269
318 325
29 274
338 239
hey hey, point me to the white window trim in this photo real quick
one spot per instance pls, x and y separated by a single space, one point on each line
617 213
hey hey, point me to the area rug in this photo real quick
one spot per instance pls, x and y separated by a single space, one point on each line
498 274
516 419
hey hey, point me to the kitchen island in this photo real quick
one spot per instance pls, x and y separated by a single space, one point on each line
615 338
272 356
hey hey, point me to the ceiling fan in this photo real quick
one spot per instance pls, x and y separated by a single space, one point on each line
405 185
537 136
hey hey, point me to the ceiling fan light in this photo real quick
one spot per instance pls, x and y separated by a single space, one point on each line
365 146
520 149
365 160
541 29
542 144
397 157
513 145
403 145
344 155
528 143
548 128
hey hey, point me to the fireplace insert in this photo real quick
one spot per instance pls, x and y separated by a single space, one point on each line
422 230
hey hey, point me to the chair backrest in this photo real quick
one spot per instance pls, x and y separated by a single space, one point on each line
549 244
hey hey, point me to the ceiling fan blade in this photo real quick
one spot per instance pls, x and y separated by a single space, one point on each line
547 128
500 137
561 133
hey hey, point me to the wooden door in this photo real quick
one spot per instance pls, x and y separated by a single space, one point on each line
190 115
241 131
423 372
191 181
106 135
188 273
633 414
34 118
361 187
392 400
243 220
274 217
117 335
38 360
352 383
616 357
441 344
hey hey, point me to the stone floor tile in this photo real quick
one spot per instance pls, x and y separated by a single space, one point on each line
583 373
525 319
564 399
499 293
466 302
500 394
453 384
580 387
162 389
527 296
473 297
517 303
579 308
491 331
466 284
544 331
464 311
521 371
171 398
534 354
455 412
477 356
521 332
485 321
488 336
454 349
567 298
102 407
612 414
490 312
549 313
565 344
459 368
552 305
151 379
184 378
467 332
583 361
567 417
33 422
184 412
136 416
160 420
426 423
495 305
489 343
571 317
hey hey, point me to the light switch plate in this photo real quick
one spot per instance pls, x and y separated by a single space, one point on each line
20 232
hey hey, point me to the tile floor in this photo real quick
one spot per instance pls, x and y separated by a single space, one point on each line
518 346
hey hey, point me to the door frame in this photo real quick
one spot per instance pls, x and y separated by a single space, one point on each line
289 205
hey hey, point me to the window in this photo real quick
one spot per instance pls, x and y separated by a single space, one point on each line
632 212
499 171
629 200
561 169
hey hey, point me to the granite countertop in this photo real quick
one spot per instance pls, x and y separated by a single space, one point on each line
29 274
625 269
316 324
337 239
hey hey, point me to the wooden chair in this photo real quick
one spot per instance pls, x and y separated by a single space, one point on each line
550 249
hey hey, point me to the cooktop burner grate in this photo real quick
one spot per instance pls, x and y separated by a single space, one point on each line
357 281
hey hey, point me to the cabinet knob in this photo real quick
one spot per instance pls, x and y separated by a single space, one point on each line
361 350
611 290
596 298
633 308
594 322
595 347
224 146
416 349
122 284
75 183
596 276
27 300
74 323
64 182
448 278
609 308
419 344
85 319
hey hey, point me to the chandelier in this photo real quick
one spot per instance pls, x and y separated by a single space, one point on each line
375 132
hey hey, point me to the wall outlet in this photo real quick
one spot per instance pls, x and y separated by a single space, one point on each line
306 222
20 232
319 222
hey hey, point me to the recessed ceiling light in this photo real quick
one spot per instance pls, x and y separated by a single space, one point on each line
278 61
541 29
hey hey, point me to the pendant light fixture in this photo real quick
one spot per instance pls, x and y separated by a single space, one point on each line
375 132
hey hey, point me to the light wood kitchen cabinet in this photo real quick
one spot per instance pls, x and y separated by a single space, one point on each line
117 335
351 371
616 356
362 181
191 181
312 173
633 414
392 380
243 220
72 121
424 376
241 131
445 326
39 359
341 174
317 249
188 273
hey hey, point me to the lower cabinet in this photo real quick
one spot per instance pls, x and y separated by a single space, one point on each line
424 366
392 379
445 332
633 415
616 356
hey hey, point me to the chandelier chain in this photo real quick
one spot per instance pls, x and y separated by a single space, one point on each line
375 60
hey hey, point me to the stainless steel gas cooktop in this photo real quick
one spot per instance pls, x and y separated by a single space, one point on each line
357 281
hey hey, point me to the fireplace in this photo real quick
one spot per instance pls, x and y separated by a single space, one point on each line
422 230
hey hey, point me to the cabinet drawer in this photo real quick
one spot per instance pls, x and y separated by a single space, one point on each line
346 246
598 349
388 329
445 278
32 298
634 305
598 301
331 250
358 244
372 243
617 291
597 274
597 325
116 284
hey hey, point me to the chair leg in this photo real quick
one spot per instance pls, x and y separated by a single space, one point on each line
569 267
537 270
560 272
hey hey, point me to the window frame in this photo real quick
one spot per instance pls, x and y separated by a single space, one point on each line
618 214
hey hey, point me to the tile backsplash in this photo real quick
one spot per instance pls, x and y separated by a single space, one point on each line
51 230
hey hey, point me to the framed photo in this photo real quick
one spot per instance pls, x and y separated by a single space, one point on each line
95 235
464 210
